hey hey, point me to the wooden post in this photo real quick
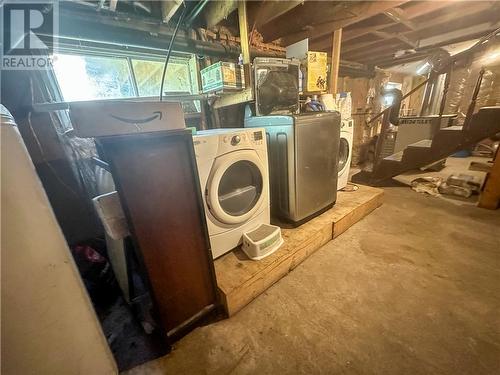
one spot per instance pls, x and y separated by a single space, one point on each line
245 95
334 71
490 194
245 47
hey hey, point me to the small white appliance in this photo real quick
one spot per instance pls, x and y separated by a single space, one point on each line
234 179
345 152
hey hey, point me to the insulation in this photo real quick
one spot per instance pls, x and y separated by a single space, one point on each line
464 79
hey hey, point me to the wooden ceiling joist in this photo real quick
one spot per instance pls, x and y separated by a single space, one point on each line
168 9
263 12
400 37
467 15
320 18
298 18
405 59
458 36
394 15
382 48
398 16
216 11
459 16
353 12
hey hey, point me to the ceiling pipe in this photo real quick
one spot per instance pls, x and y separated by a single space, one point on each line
195 12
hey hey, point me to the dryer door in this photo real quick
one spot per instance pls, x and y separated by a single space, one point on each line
343 155
237 186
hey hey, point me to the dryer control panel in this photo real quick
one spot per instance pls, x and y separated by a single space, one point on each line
344 124
254 138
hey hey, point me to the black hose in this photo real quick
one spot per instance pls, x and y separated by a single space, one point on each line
167 58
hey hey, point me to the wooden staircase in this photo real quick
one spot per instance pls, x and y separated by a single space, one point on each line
483 124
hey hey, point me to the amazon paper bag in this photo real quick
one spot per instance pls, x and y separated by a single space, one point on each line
101 118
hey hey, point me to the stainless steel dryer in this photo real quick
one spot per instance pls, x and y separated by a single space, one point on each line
303 156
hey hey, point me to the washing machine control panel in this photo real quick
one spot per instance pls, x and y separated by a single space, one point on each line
235 139
346 124
246 138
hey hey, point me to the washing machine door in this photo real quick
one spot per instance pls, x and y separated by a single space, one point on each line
343 155
236 187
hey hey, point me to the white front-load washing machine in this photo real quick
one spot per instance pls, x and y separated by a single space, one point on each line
345 152
234 179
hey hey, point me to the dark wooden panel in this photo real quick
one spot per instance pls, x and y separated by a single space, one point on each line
157 181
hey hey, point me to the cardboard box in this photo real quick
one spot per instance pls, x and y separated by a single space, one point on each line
222 76
316 71
99 118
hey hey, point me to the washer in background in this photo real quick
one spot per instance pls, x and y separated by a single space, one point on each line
345 152
234 178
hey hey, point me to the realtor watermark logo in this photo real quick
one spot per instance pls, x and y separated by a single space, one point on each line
29 30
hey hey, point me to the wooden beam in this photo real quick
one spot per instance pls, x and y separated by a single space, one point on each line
468 14
398 15
374 49
168 9
296 18
346 49
353 33
263 12
398 36
216 11
247 94
321 44
324 42
462 16
420 8
316 18
231 99
358 11
490 193
335 64
416 9
459 35
405 59
243 25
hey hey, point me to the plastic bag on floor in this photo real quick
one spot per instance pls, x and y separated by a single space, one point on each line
459 191
427 185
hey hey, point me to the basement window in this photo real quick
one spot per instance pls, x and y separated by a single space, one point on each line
148 77
90 77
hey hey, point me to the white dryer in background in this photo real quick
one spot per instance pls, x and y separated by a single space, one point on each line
345 152
234 179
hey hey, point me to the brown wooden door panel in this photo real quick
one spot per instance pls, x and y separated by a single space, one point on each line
156 179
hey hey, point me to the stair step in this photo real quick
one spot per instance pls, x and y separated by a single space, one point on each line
448 137
397 157
454 128
424 143
416 152
446 141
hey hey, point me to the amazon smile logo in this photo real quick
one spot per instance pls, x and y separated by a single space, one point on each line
156 115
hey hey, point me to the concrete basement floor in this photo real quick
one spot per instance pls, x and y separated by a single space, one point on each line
413 288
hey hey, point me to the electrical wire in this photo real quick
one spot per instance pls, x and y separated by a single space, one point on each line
167 58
